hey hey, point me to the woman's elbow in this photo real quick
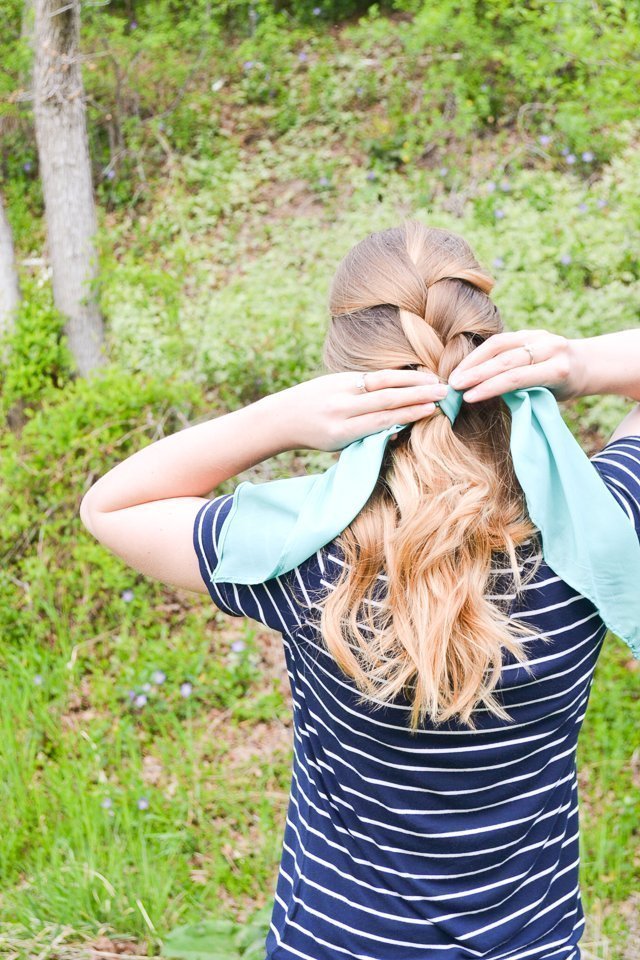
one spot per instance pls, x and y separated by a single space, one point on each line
85 513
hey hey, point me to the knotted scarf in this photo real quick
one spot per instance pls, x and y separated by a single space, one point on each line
588 540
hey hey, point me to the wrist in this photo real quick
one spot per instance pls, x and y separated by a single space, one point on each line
577 380
607 364
277 421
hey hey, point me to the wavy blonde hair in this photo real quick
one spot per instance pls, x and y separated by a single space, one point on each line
447 498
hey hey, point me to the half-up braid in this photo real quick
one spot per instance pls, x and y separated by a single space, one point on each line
447 498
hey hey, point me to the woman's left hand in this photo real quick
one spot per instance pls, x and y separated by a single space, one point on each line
331 411
515 360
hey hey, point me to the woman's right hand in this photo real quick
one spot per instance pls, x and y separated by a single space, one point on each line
502 364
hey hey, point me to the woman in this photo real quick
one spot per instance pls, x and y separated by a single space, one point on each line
440 669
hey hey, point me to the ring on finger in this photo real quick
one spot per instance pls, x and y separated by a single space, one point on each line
527 347
360 383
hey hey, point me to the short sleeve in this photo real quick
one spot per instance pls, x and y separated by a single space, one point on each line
271 603
618 463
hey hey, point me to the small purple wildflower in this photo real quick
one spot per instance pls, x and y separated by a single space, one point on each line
27 166
303 56
498 262
564 151
443 171
143 803
571 158
505 186
110 174
583 207
158 677
186 689
323 181
601 202
146 687
238 645
491 186
140 700
107 803
544 139
317 11
587 156
127 596
499 214
38 679
359 91
565 259
371 175
133 25
248 65
131 694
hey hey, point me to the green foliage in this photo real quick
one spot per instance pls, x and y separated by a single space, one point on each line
15 56
219 940
440 74
246 15
40 358
65 444
497 65
98 672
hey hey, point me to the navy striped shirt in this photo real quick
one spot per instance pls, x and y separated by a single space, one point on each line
450 843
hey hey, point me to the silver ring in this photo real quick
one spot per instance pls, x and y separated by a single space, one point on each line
529 351
360 384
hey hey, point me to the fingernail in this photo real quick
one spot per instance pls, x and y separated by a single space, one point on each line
456 379
470 395
441 391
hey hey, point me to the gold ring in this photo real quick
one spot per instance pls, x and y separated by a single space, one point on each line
360 384
529 351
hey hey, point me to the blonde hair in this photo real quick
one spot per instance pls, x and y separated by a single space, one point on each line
447 497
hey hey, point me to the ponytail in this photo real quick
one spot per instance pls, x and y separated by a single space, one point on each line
447 499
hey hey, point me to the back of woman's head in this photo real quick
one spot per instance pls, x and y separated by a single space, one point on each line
447 498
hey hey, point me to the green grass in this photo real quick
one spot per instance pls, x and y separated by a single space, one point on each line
80 760
214 287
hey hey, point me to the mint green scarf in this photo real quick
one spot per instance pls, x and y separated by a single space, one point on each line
587 539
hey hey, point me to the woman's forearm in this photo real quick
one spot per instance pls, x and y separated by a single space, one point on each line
323 413
193 461
607 364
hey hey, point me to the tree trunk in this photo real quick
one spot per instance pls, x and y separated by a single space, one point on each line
9 286
65 168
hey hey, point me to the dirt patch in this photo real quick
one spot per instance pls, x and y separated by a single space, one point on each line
106 948
630 911
256 741
79 713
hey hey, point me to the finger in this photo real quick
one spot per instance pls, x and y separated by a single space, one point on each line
393 397
503 362
382 379
531 375
383 419
493 346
